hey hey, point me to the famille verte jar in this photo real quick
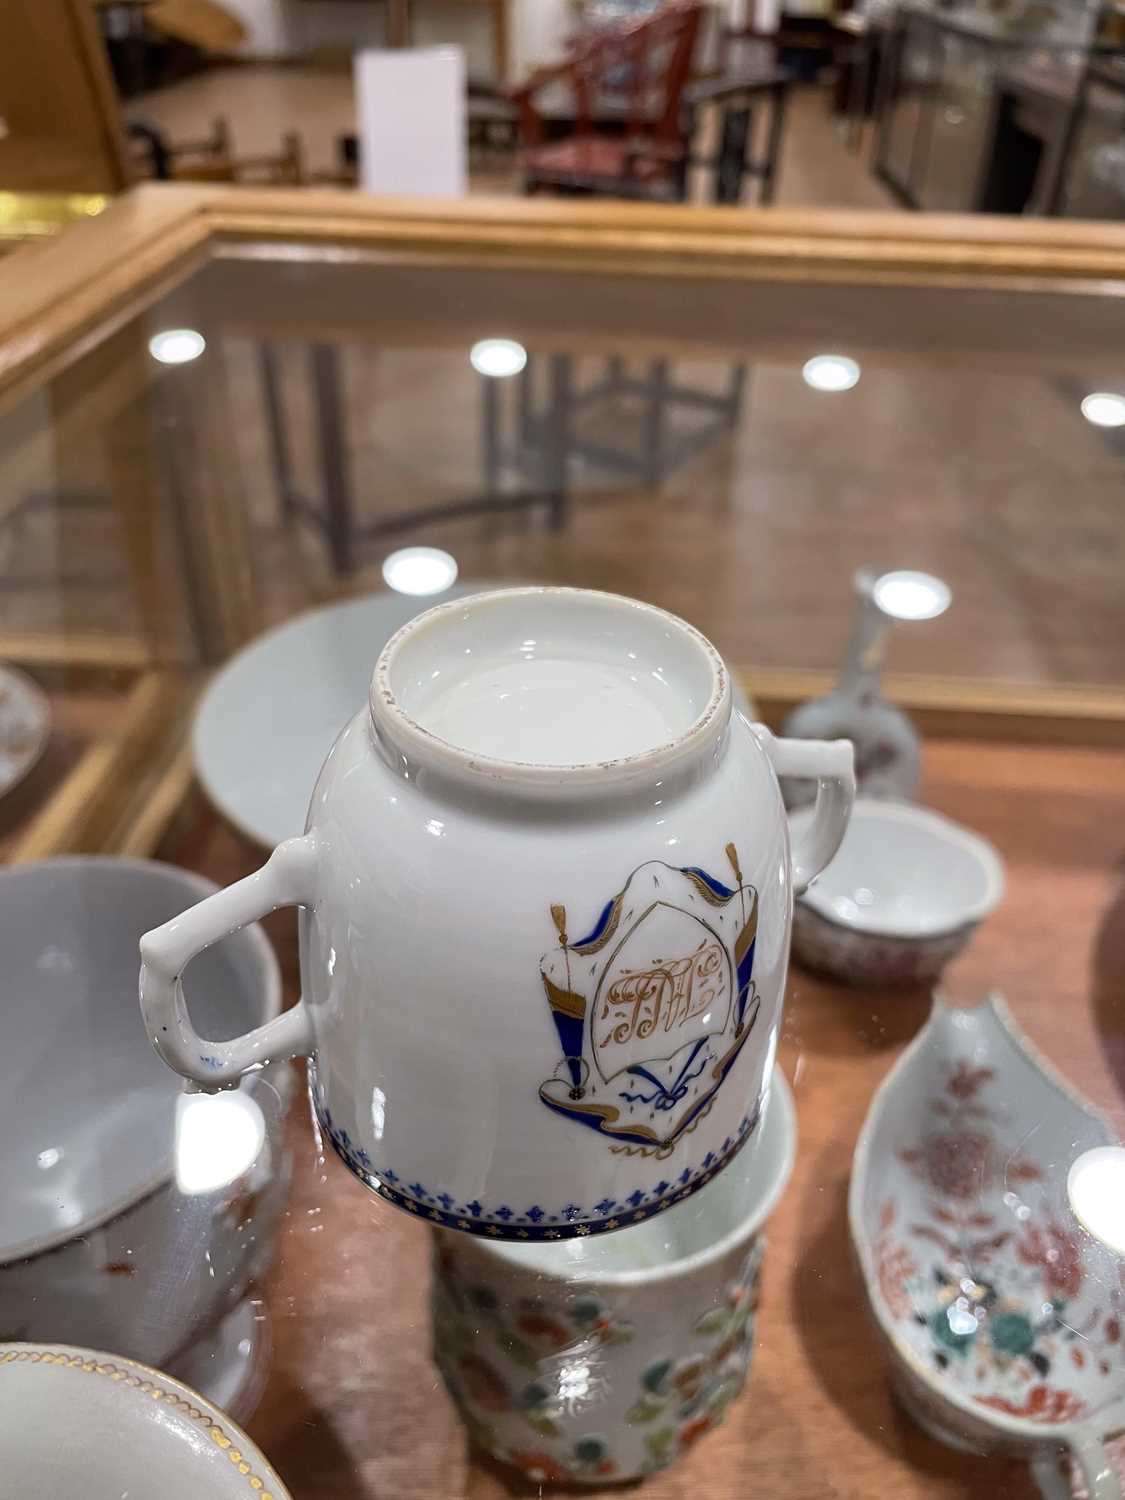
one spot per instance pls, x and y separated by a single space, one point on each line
599 1361
547 883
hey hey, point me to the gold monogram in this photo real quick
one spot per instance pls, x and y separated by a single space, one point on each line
667 995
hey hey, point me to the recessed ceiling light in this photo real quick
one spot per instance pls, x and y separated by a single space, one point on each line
1095 1186
498 357
907 595
1104 409
176 346
419 570
831 372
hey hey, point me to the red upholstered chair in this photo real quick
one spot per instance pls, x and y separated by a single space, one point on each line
623 87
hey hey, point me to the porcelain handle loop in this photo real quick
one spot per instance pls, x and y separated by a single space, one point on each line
1051 1469
288 878
1097 1467
832 763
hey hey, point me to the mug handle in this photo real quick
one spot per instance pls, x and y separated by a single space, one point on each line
288 878
1052 1470
832 763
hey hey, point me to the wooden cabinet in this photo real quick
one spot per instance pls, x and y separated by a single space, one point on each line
61 129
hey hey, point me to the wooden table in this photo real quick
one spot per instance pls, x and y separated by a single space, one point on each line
354 1408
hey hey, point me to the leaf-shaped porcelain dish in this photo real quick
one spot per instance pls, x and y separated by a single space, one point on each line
1002 1315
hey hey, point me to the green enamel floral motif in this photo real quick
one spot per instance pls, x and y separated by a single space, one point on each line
1012 1333
714 1320
541 1424
590 1450
662 1446
723 1394
536 1404
534 1395
647 1409
586 1310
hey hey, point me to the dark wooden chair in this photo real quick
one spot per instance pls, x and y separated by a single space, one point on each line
627 83
212 158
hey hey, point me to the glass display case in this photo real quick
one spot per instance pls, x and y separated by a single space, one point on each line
245 435
977 105
1091 178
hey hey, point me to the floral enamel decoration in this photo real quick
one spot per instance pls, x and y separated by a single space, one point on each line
611 1359
678 1398
1003 1315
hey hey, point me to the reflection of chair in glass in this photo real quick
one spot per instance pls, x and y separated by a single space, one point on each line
332 512
560 425
626 84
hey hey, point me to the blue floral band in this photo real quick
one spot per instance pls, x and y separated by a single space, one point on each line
504 1222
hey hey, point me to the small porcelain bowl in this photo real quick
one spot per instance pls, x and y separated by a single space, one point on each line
134 1215
900 899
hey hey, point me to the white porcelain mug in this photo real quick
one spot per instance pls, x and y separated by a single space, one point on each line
547 883
603 1360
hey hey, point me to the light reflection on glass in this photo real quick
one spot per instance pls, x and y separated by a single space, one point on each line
962 1322
831 372
1104 409
218 1136
574 1382
176 346
909 595
1095 1186
499 358
419 570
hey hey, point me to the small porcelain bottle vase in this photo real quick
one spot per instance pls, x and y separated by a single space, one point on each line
888 752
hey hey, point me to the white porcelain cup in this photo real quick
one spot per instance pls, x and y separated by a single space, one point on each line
133 1214
603 1360
904 894
547 886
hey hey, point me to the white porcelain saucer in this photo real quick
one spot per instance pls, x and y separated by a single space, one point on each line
269 718
76 1422
25 726
271 715
230 1365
